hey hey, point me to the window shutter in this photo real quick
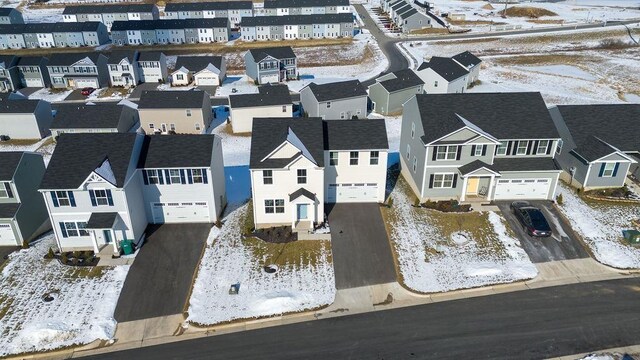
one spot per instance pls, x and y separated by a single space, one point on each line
7 188
72 198
189 176
167 177
144 177
484 150
160 177
459 153
549 147
54 199
182 180
431 181
508 148
535 147
529 144
63 230
515 148
473 150
92 195
204 176
109 198
601 172
455 181
615 169
435 152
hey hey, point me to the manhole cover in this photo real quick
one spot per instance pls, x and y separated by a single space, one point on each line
271 269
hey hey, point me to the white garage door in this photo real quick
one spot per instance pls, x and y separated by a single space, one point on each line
269 79
6 235
508 189
338 193
183 212
33 82
83 83
207 80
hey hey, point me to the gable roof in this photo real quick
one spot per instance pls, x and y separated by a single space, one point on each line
150 56
9 162
102 115
278 52
9 105
467 59
78 155
118 55
6 11
102 9
180 150
337 90
169 24
519 115
445 67
403 79
66 59
364 134
268 95
31 60
208 6
302 192
273 4
476 165
155 99
198 63
296 19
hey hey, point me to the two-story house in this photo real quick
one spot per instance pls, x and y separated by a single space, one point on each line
271 65
10 16
443 75
78 70
340 100
271 101
153 67
299 164
9 79
123 68
94 118
471 63
107 14
179 112
479 146
599 145
233 10
21 118
23 215
392 90
32 71
201 70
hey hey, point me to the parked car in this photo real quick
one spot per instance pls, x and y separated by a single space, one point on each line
531 218
87 91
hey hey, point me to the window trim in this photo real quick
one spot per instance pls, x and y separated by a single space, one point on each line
544 149
503 145
267 177
612 170
526 146
447 152
353 160
332 161
374 157
443 180
301 176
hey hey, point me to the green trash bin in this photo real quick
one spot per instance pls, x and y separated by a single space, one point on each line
632 236
127 247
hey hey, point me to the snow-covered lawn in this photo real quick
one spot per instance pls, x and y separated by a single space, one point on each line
440 252
304 279
601 225
44 146
81 312
50 96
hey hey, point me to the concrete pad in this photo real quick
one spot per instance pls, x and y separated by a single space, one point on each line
553 270
587 267
130 331
541 284
462 294
600 277
162 326
505 288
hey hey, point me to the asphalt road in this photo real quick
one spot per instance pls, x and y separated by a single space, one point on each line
159 281
533 324
360 247
562 245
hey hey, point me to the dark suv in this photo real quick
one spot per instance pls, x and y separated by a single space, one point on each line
531 218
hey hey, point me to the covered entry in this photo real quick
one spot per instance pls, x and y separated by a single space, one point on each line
477 181
101 227
304 203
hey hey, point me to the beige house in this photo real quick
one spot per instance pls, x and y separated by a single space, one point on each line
180 112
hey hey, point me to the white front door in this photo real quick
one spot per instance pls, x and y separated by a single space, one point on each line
339 193
180 212
515 189
6 235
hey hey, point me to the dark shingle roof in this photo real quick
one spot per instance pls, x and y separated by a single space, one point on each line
403 79
154 99
302 192
503 115
102 9
6 11
77 155
296 20
355 134
17 106
31 61
208 6
150 56
445 67
525 164
105 115
8 163
174 151
269 133
7 60
8 210
116 56
197 63
593 148
278 52
467 59
337 90
273 4
268 95
12 28
66 59
405 14
102 220
475 165
169 24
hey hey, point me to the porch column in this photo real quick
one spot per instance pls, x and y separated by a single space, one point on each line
116 249
490 192
94 240
464 188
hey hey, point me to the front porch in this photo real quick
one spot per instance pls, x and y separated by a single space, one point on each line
304 210
101 228
478 182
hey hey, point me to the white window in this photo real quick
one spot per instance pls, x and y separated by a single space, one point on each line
152 176
180 77
302 176
446 152
435 84
63 198
151 126
267 177
408 151
478 150
559 147
353 158
413 130
198 126
328 104
74 229
333 158
542 147
502 148
443 180
522 148
415 164
174 175
197 176
3 190
274 206
101 197
374 157
284 108
188 112
609 168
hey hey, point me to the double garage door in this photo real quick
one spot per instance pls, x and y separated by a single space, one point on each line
33 82
207 80
273 78
6 235
180 212
514 189
83 83
352 193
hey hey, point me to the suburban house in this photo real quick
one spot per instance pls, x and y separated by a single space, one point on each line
442 75
52 35
479 147
9 79
94 118
271 101
392 90
201 70
188 31
340 100
107 14
153 67
271 65
307 7
32 72
471 63
599 143
180 112
78 70
290 27
10 16
406 15
116 184
24 119
232 10
23 215
123 68
299 164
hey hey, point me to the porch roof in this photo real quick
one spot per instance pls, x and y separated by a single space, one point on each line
102 220
302 192
8 210
477 165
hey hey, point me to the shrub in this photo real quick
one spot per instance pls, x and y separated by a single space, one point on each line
417 203
218 224
559 199
50 254
77 254
247 226
390 202
63 258
87 255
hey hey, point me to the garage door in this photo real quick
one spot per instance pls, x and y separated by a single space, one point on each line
269 79
337 193
508 189
183 212
6 235
33 82
83 83
207 80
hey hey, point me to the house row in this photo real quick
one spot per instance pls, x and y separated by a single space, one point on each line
107 14
153 32
235 11
289 27
53 35
304 7
10 16
406 15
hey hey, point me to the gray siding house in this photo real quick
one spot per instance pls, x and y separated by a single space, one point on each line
341 100
94 118
599 143
78 70
479 147
235 11
123 68
9 79
190 31
392 90
153 66
107 14
273 64
32 72
23 214
305 7
291 27
11 36
24 119
10 16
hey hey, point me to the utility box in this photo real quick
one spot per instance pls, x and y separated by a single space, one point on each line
632 236
127 247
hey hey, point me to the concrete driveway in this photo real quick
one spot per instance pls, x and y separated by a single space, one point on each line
159 281
361 250
562 245
76 95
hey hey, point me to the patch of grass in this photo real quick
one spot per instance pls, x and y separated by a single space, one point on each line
432 30
5 305
296 253
86 272
540 59
550 22
20 142
474 22
527 11
109 92
474 223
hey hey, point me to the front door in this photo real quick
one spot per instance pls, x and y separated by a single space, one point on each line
472 186
302 211
107 236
